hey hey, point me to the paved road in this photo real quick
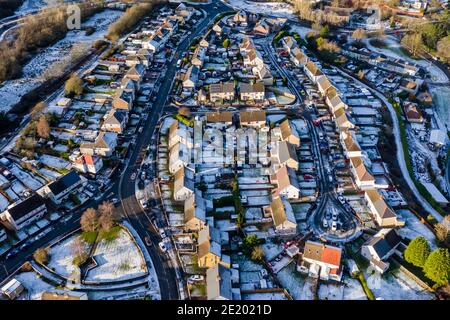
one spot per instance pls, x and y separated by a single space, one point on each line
327 191
124 186
130 205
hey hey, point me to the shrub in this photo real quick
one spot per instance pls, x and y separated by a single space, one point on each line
41 255
417 252
437 266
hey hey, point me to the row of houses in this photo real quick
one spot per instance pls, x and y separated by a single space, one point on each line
227 91
364 180
21 214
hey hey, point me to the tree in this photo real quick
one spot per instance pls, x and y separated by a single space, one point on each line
226 43
107 218
413 42
183 111
41 255
79 252
443 48
257 253
37 109
250 242
359 34
443 230
74 85
324 31
417 251
89 220
43 128
437 266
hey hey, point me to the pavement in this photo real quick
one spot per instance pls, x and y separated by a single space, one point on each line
123 185
131 207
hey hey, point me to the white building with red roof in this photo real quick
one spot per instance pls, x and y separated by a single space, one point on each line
86 163
321 261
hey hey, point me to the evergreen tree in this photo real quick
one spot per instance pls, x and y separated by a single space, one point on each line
417 251
437 266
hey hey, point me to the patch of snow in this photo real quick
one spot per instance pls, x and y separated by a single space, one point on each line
33 284
395 285
118 259
414 228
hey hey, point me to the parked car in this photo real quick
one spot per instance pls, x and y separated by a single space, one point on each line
325 223
147 241
162 246
334 226
162 233
334 215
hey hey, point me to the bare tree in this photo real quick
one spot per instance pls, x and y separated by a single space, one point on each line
74 85
257 253
89 220
43 128
41 255
359 34
78 251
38 109
108 217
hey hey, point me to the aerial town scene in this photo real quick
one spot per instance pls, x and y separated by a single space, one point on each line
224 150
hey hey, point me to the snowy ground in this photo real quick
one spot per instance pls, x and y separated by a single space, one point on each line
414 228
395 285
31 5
33 284
441 96
119 259
12 91
61 257
54 162
302 31
352 290
276 9
295 283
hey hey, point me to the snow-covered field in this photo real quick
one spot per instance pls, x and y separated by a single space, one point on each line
12 91
118 260
414 228
61 257
277 9
302 31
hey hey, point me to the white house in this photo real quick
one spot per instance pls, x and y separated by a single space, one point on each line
287 183
380 248
24 212
59 190
321 261
183 185
283 216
